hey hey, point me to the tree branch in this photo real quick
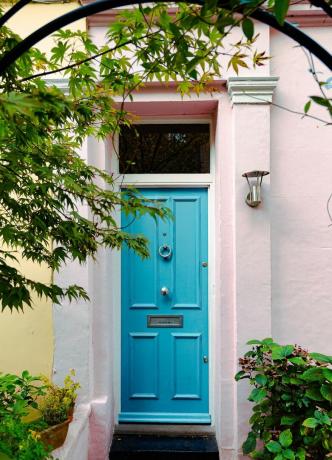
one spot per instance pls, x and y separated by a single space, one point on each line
91 58
102 5
83 61
312 70
328 209
303 115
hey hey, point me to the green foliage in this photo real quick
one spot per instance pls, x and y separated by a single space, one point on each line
54 207
248 28
17 395
323 101
293 402
18 442
280 10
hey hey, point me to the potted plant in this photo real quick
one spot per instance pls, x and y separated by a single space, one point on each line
57 407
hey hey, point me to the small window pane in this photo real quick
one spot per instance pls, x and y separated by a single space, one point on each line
172 149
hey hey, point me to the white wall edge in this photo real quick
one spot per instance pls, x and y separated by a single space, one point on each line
75 446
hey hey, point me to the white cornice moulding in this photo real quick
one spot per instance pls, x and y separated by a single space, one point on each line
251 90
61 83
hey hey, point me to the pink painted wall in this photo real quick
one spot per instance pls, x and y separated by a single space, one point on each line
274 263
301 182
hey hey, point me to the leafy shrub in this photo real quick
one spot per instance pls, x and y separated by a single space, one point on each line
293 402
17 395
19 442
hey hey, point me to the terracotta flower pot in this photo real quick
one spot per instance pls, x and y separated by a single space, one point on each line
71 411
55 436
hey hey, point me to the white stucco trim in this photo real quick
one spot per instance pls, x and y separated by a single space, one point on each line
251 90
168 180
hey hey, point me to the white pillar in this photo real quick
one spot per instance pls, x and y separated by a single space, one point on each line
250 137
72 323
101 284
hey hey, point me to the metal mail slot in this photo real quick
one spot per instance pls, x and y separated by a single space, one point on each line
165 320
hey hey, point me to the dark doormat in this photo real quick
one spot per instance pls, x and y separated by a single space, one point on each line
145 447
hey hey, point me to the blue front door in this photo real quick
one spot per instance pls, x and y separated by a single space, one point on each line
165 314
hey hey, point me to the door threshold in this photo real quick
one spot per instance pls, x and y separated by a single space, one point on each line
164 430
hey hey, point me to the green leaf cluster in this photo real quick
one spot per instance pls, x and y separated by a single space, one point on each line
18 393
54 207
292 396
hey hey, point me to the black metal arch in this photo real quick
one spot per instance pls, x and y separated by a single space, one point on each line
102 5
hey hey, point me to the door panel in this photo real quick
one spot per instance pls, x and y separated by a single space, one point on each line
142 277
187 348
143 366
186 276
165 337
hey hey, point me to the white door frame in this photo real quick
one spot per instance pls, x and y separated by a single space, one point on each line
164 181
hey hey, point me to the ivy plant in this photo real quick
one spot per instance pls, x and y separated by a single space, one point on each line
292 396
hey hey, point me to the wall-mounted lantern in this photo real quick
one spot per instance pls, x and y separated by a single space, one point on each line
254 179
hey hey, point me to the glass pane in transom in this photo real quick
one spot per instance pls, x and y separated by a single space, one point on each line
165 148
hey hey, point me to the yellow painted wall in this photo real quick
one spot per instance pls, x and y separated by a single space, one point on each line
26 339
35 15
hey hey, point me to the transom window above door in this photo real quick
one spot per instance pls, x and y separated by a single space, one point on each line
165 149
